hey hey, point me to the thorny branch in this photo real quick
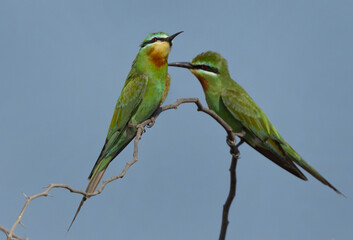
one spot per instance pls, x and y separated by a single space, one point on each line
231 140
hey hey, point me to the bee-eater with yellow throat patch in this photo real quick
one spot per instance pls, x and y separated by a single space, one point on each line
144 91
233 104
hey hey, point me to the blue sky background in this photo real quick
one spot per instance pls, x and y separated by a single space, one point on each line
62 67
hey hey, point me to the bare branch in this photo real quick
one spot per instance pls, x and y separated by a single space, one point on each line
231 195
14 236
233 151
140 130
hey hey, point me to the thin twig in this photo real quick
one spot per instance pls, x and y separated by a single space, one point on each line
14 236
232 191
231 140
234 151
140 130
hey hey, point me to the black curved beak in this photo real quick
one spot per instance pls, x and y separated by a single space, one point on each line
170 38
182 64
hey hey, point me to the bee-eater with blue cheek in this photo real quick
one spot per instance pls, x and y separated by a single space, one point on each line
234 105
144 91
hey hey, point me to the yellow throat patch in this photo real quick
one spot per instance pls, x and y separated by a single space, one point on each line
158 53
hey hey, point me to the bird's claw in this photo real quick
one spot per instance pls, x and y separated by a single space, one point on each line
240 134
230 142
152 122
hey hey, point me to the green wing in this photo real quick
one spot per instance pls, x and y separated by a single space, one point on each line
261 134
127 104
245 110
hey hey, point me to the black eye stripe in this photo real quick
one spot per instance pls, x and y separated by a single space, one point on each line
206 68
153 40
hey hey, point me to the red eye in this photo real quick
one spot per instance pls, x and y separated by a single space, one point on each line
204 67
154 39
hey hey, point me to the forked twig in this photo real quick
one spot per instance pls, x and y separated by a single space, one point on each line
140 130
14 236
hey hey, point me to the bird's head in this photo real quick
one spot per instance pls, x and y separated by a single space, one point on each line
209 68
157 47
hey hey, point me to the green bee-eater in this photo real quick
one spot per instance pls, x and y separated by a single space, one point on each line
145 89
234 105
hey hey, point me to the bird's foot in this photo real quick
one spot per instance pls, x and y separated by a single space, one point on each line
241 134
230 141
152 122
131 125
